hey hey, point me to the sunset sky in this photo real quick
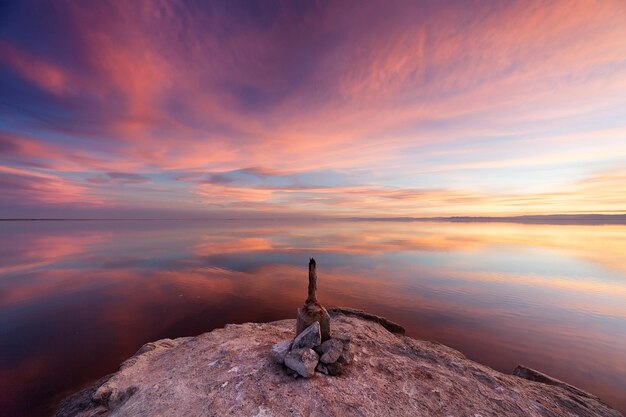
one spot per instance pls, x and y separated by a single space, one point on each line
391 108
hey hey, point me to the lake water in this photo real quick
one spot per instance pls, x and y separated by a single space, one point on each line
78 297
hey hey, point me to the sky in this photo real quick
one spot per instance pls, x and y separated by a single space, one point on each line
346 108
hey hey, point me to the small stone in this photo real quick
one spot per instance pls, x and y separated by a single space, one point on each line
347 355
280 350
343 337
334 368
337 349
331 350
303 361
325 346
322 368
309 338
330 357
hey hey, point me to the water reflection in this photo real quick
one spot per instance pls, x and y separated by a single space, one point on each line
79 297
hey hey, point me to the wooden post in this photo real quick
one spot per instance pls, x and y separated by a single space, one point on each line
312 282
312 311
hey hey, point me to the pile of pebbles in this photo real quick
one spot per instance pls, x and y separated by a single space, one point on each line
307 353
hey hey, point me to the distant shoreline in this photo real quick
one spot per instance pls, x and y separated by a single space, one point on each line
138 219
573 219
565 219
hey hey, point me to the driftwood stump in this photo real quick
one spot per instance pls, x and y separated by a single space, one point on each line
313 311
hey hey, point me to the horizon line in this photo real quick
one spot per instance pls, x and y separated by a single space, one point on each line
593 218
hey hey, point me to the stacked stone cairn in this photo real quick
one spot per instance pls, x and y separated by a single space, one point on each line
313 349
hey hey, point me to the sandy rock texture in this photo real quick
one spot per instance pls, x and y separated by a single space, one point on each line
229 372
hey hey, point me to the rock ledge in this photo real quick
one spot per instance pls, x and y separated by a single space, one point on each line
229 372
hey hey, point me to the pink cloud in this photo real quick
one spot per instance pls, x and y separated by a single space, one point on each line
46 75
21 186
333 87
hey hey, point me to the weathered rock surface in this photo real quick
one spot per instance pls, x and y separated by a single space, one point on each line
347 354
280 350
303 361
228 372
331 350
333 369
313 313
309 338
387 324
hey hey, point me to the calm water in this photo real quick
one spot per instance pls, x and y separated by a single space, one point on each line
77 298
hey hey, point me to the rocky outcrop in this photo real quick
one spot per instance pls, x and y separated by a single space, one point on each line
387 324
229 372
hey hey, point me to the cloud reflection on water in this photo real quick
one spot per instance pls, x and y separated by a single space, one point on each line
548 296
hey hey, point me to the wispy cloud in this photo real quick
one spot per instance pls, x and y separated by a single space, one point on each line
370 108
119 177
21 187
